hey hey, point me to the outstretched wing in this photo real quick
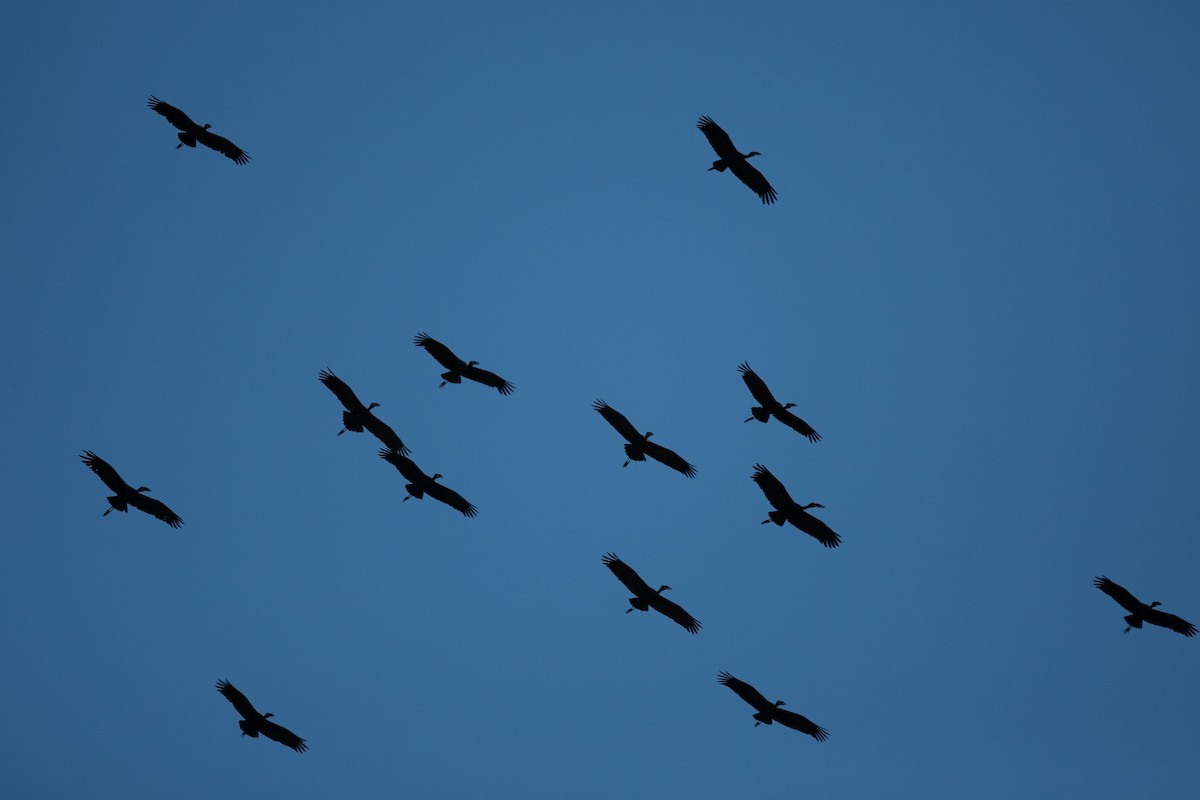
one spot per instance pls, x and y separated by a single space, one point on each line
444 355
800 723
718 139
384 433
776 494
1119 593
754 179
174 115
342 391
282 735
1165 620
488 379
155 508
107 474
674 612
814 527
407 467
756 385
228 148
669 457
626 575
238 699
746 692
451 498
618 421
797 424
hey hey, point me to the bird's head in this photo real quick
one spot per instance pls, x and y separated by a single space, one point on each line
268 714
207 126
812 505
472 363
142 489
663 588
790 405
1155 603
648 434
373 405
779 703
436 475
753 153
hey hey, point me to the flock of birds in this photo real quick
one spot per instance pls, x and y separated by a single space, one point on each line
359 418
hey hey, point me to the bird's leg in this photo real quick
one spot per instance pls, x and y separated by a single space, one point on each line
177 147
1127 630
440 385
626 464
343 430
814 505
747 419
765 521
628 610
406 499
106 513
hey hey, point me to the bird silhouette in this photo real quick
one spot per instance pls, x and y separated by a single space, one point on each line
190 132
254 723
126 495
645 598
736 162
767 712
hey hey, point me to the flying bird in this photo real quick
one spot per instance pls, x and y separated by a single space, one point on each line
358 417
1140 612
734 161
190 132
126 495
788 510
457 368
255 723
645 598
640 445
422 484
770 407
767 712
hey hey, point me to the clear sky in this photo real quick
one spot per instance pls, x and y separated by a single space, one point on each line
979 284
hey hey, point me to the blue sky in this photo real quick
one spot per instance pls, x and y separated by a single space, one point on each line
978 284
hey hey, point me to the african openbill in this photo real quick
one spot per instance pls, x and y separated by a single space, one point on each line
640 445
256 723
767 712
422 484
1140 612
459 369
126 495
358 417
770 407
190 132
788 510
645 598
734 161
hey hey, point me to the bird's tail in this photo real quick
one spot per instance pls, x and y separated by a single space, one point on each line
413 491
758 413
778 517
451 377
719 165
